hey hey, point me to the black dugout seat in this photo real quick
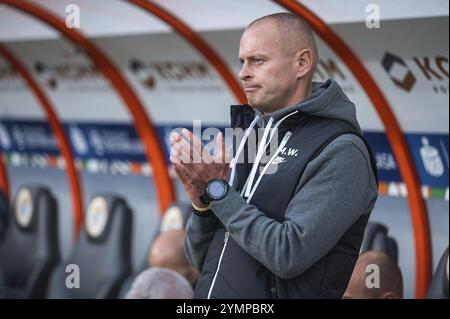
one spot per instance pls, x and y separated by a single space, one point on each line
438 288
376 238
30 251
100 260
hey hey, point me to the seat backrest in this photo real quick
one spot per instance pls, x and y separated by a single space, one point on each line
30 250
438 288
376 238
102 253
3 215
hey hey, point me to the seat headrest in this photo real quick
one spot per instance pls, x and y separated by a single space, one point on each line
175 217
24 208
97 215
376 238
27 201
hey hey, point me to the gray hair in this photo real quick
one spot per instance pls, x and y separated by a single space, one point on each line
160 283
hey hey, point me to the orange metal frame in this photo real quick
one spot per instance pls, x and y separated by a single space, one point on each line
192 37
58 130
4 185
394 134
142 123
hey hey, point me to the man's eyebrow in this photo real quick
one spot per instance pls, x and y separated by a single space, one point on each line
254 56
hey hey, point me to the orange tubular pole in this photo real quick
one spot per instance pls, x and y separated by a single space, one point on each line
144 128
4 185
185 31
63 142
394 134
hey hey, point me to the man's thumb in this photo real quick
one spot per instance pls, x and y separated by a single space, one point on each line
220 147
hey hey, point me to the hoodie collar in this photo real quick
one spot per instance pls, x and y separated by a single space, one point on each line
327 100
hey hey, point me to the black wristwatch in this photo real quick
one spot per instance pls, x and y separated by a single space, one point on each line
216 189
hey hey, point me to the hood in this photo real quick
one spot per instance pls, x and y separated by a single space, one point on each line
327 100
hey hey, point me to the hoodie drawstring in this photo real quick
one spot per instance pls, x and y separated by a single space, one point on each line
239 150
282 144
259 154
249 188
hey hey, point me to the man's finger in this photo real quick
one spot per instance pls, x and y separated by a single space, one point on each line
193 140
186 151
180 174
174 159
183 173
180 150
175 137
176 149
222 155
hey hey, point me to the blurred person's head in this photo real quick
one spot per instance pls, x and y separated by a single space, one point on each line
361 285
278 55
167 251
159 283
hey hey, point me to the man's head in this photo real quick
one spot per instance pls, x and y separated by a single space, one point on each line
167 251
159 283
278 55
390 281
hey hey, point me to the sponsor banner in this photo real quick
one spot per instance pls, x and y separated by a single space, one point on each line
127 168
104 147
412 72
31 136
178 85
75 86
429 151
105 141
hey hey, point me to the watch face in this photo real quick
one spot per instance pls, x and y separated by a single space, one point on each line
216 189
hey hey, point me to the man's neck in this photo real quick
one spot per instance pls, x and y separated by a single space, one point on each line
302 93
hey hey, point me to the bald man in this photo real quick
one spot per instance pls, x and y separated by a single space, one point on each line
160 283
291 225
375 276
167 252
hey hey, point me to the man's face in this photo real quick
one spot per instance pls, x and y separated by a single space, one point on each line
268 71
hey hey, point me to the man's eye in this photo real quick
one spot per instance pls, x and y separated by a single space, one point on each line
258 61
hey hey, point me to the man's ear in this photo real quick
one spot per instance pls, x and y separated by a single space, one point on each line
388 295
304 60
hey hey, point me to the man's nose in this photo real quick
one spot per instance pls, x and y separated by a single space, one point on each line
244 73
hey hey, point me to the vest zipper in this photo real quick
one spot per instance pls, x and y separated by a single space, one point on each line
273 287
227 234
